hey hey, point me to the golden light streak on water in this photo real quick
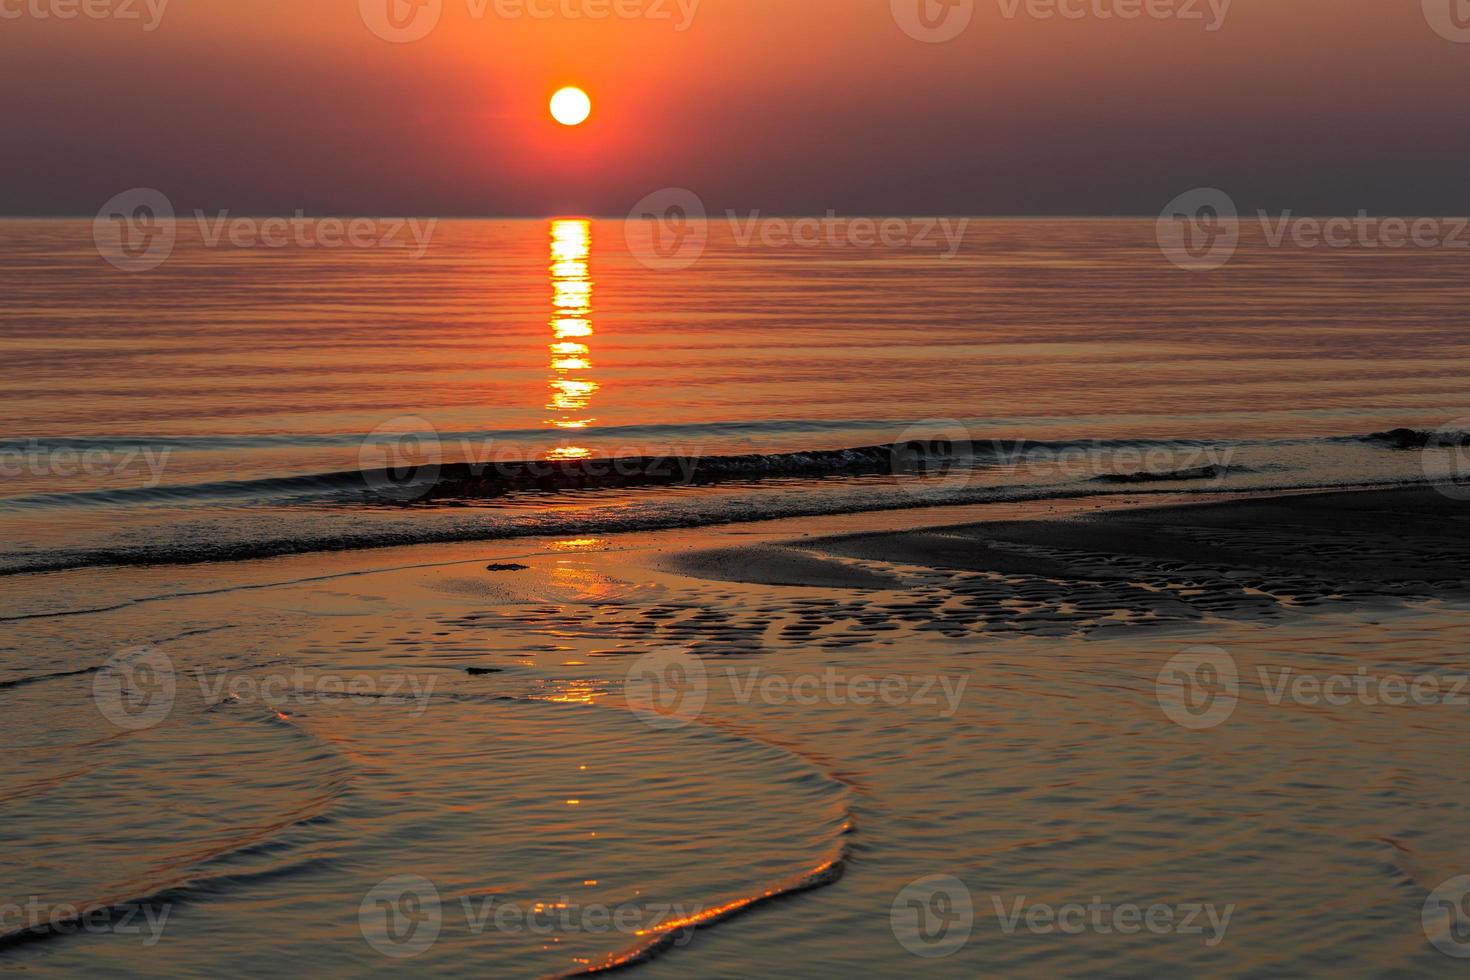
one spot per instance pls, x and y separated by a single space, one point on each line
571 301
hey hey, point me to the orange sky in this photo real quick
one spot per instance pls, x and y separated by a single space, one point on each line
782 105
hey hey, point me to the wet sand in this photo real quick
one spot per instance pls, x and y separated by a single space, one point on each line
1245 557
1033 757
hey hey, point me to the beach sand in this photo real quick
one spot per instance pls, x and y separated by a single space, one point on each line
842 709
1250 557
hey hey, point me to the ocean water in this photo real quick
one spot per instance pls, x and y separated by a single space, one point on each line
226 402
266 704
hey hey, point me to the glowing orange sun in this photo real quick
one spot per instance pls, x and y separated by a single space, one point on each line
571 106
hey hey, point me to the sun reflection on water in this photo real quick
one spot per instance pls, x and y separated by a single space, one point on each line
571 319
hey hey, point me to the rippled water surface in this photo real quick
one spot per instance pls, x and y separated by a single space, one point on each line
531 795
289 679
208 406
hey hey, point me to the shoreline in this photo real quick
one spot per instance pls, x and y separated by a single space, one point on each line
121 585
818 512
524 655
822 551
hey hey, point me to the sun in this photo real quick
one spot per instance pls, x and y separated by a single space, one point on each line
571 106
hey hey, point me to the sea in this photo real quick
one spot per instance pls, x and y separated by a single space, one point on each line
260 484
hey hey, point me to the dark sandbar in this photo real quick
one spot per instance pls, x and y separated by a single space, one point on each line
1411 540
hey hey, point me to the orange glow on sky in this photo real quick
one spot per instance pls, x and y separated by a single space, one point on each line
789 106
